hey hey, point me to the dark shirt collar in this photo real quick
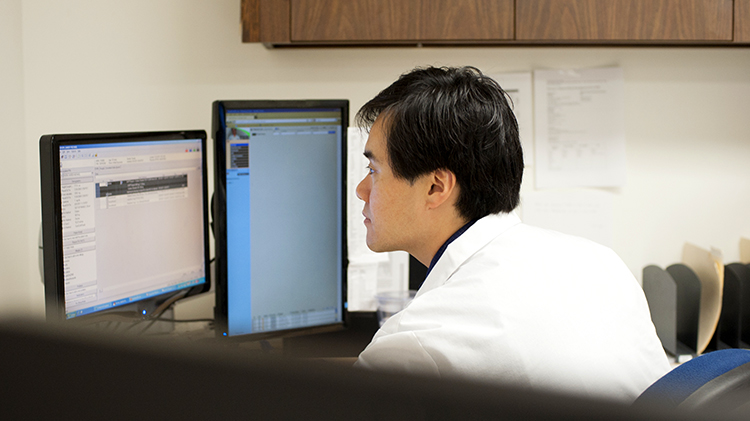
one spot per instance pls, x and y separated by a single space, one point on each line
442 248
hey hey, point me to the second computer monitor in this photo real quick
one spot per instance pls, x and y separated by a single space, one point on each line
125 221
279 216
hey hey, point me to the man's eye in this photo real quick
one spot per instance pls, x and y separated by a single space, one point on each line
369 169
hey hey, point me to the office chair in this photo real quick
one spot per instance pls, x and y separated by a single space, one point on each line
719 379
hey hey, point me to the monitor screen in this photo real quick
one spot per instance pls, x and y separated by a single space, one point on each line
279 216
124 221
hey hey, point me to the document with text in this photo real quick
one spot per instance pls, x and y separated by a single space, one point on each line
579 128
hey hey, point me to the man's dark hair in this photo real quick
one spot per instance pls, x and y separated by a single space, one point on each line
455 119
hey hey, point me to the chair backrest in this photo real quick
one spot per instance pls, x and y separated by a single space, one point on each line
718 377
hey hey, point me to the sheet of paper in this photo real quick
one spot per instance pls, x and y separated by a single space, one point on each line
744 250
709 267
518 87
368 279
579 128
368 272
585 213
362 285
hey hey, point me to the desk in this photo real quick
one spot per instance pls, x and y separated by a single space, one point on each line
347 343
341 344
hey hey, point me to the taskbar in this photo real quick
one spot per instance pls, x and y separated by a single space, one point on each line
121 302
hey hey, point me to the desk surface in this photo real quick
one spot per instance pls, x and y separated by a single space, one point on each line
345 344
340 344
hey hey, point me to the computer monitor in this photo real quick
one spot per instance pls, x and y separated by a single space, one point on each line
279 216
124 222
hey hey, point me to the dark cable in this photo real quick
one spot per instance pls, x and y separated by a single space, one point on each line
184 321
162 308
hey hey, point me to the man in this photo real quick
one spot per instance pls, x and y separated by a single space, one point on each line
502 301
233 134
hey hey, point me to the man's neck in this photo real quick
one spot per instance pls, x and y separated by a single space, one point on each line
441 232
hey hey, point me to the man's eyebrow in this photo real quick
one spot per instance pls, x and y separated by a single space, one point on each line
369 155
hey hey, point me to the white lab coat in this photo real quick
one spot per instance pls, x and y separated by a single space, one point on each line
516 304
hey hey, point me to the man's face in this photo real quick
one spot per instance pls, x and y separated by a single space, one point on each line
392 205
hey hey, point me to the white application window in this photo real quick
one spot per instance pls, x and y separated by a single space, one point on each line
132 216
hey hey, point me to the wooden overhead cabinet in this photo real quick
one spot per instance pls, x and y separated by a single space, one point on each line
341 22
628 21
500 22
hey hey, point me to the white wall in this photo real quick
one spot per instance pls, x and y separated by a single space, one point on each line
95 65
16 242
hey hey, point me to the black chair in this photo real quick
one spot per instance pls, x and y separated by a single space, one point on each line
719 379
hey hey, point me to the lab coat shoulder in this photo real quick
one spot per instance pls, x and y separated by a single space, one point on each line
554 294
400 350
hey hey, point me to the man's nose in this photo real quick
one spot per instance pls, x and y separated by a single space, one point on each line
362 190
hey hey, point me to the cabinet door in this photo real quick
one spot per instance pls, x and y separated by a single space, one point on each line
624 20
466 20
354 20
742 21
265 21
401 20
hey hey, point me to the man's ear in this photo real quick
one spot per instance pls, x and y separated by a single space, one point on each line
442 187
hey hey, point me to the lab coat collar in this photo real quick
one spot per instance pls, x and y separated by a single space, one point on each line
452 238
471 241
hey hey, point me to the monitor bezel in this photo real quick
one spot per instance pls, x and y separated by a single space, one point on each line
219 210
49 152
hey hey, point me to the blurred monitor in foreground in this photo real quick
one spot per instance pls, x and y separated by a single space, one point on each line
56 373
